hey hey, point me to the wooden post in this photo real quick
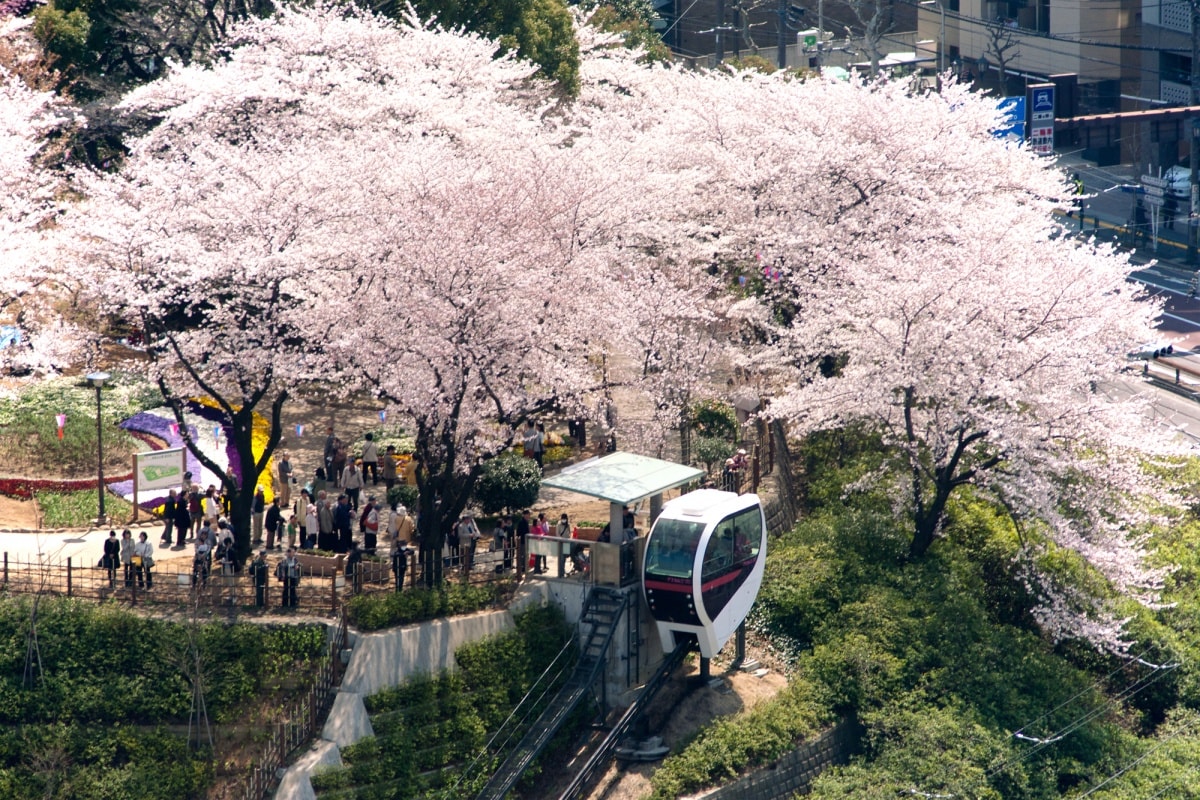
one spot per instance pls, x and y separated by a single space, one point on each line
6 568
68 576
333 603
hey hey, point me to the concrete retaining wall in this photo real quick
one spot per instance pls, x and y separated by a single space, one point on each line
381 660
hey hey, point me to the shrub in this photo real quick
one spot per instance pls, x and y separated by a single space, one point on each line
710 450
730 745
402 495
508 481
714 419
372 612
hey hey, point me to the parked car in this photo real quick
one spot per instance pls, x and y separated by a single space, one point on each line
1179 181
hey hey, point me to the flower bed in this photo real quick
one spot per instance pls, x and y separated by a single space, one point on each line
203 419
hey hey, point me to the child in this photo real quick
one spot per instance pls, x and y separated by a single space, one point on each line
293 527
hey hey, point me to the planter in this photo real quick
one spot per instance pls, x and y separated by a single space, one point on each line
589 534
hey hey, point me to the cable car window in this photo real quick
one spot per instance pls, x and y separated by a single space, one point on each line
747 534
719 555
671 551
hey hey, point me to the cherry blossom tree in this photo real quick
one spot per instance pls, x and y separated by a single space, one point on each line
914 278
342 199
28 205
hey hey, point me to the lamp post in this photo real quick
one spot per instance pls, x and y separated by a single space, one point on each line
97 379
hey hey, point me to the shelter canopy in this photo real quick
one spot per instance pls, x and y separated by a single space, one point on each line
623 478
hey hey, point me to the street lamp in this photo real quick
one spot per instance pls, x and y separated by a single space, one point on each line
942 32
97 379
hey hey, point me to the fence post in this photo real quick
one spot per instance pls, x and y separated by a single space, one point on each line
68 576
5 567
333 592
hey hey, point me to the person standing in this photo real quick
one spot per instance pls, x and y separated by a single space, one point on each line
452 545
330 450
343 519
112 557
524 528
370 526
564 527
195 511
326 535
389 468
284 470
258 509
273 523
183 518
288 573
399 562
168 514
540 528
258 575
468 541
312 527
370 459
212 507
352 483
144 552
202 561
400 526
340 455
127 556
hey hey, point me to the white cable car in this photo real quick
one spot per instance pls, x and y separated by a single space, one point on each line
703 566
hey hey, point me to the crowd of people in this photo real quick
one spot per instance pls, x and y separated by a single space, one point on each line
335 512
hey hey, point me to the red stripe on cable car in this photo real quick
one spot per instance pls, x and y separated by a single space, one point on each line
685 588
724 579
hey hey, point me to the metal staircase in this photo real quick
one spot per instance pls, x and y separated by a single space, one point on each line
605 749
603 609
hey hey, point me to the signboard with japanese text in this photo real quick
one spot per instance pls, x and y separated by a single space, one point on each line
1040 102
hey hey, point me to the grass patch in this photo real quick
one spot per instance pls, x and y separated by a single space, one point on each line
29 443
78 509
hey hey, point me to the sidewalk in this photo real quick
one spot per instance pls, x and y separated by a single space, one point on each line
1108 212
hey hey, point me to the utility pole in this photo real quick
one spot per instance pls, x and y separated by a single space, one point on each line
1194 158
781 54
720 31
820 30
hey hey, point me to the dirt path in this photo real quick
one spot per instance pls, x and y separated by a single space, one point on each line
17 514
682 707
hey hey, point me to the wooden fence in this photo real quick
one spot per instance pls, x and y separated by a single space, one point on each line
299 721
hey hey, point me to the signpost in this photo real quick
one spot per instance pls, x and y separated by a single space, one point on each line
157 469
1040 103
1154 197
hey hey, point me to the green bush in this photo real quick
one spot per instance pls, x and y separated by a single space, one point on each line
402 495
714 419
730 745
102 718
372 612
508 482
710 450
